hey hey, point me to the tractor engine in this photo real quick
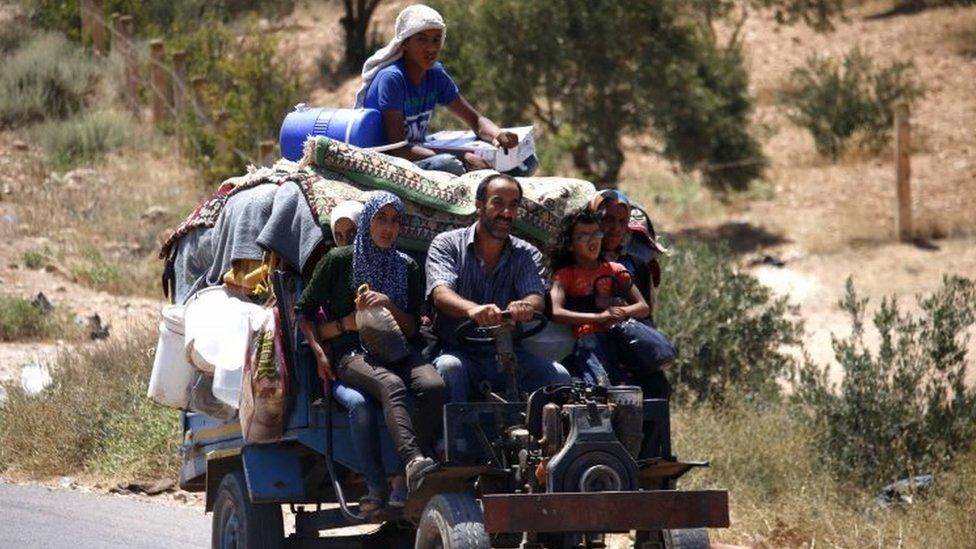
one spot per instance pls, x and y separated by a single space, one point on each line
579 439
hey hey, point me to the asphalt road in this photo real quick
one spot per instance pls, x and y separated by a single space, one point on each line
34 516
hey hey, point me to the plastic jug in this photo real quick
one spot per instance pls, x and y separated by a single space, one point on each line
172 374
227 385
359 127
379 332
217 328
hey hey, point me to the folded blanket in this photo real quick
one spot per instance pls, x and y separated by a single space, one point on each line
208 212
545 202
332 172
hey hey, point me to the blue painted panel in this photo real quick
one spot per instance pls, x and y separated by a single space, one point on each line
273 472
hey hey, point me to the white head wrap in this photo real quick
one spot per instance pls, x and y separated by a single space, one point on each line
348 209
410 21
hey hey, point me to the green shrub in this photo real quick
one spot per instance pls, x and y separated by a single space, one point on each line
94 270
119 273
730 332
143 441
150 17
84 138
669 77
247 83
35 259
850 100
906 409
56 15
20 320
46 78
781 495
701 111
93 417
13 32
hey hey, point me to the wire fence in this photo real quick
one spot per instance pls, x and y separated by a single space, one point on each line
170 98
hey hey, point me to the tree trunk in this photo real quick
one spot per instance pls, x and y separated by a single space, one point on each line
356 26
601 167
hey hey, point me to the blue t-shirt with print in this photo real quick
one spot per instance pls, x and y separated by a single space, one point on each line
391 89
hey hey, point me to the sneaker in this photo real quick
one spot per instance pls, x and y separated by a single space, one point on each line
371 508
416 469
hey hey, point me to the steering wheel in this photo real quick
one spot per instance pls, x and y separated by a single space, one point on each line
469 332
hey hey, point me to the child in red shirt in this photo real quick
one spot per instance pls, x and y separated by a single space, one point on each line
591 295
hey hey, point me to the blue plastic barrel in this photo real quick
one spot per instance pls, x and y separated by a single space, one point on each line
359 127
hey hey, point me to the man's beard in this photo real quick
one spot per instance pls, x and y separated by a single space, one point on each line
493 229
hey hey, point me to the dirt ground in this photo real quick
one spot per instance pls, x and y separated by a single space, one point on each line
816 283
120 312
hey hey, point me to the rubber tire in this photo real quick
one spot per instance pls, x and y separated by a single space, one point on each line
686 538
240 524
452 521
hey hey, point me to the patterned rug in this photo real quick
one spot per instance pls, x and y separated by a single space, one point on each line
435 202
545 202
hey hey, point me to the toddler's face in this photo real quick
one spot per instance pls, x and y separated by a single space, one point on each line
586 241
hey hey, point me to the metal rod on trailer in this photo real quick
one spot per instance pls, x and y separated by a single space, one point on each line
340 495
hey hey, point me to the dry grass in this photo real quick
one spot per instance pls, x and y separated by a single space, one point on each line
94 418
21 320
822 206
781 496
104 222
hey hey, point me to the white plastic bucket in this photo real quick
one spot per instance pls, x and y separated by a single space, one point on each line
172 375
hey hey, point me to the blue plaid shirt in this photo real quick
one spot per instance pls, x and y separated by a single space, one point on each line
453 262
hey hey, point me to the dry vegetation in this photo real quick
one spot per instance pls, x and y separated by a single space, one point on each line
850 202
97 227
781 496
94 419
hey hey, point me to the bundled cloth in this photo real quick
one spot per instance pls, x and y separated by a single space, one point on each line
332 172
435 201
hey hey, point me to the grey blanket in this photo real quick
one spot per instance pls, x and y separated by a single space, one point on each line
235 235
194 256
291 230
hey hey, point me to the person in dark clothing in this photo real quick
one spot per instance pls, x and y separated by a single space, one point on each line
395 284
613 208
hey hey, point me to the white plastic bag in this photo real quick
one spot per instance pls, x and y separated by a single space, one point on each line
379 332
172 374
217 329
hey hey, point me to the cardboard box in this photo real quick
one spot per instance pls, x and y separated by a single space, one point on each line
458 141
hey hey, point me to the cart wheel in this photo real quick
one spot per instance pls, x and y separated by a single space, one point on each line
240 524
685 538
452 521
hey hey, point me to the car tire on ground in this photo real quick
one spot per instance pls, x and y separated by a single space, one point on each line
452 521
240 524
